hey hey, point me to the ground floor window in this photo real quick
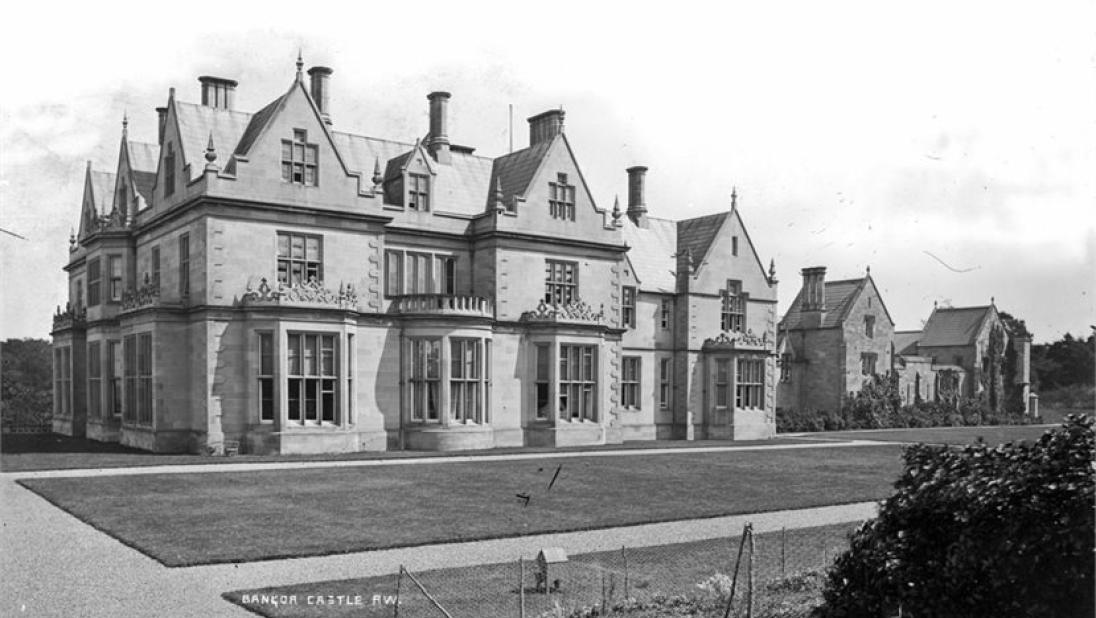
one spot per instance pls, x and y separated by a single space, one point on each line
130 371
786 368
62 380
577 382
425 380
466 380
867 363
543 380
266 377
144 378
750 383
629 382
116 371
722 381
665 380
312 378
95 380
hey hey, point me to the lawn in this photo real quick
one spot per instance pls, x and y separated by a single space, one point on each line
993 434
189 519
637 573
31 452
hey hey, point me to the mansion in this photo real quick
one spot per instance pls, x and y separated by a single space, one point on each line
264 282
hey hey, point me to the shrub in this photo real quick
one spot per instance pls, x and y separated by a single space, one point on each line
978 531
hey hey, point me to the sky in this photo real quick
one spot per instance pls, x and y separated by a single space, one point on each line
950 147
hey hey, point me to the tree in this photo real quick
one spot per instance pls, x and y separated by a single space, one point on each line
25 380
977 532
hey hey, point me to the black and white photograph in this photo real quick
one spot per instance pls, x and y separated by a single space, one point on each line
567 310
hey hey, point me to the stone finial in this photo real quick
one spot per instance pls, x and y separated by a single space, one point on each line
772 270
210 154
992 301
72 238
734 197
125 123
300 65
500 204
867 270
377 178
617 214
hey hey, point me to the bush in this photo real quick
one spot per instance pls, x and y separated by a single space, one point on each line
978 531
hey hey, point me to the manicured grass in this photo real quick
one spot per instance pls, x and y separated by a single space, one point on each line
187 519
25 453
492 590
993 434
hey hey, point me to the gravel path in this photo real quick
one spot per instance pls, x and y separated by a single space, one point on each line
54 565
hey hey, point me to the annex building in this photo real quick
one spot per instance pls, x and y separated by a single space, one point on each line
268 281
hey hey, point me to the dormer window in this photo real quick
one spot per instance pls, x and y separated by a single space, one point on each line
561 199
299 160
418 192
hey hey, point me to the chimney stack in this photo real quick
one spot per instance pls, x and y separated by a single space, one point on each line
813 306
161 114
439 127
545 126
218 92
637 201
320 89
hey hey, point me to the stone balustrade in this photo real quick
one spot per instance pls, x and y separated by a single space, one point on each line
443 304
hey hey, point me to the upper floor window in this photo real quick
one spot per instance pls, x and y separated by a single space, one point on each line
426 273
115 265
629 382
667 312
418 192
733 314
169 170
79 293
561 198
869 325
299 159
95 282
184 265
300 258
749 385
628 307
867 363
561 282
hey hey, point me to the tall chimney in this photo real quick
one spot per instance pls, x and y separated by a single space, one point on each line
813 307
320 89
637 201
439 126
218 92
545 126
161 115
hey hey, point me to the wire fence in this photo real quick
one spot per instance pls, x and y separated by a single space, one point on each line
778 574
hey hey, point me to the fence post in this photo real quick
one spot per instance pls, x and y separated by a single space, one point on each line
521 587
399 578
624 556
734 578
750 577
783 548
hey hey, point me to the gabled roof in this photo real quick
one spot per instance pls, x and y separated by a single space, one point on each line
102 191
143 159
954 326
839 298
905 342
696 235
652 253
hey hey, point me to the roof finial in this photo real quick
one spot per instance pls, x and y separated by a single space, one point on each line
992 300
616 209
125 122
500 203
734 197
210 154
300 65
72 238
772 270
868 269
934 303
377 178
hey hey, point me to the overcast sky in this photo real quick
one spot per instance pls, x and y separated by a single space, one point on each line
949 146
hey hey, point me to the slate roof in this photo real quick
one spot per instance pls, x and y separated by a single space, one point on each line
839 298
102 191
652 253
143 160
696 235
905 342
197 122
517 169
954 326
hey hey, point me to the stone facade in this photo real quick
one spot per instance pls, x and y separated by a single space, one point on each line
266 282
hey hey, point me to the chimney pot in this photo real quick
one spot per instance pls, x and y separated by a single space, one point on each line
218 92
439 126
637 201
545 126
320 89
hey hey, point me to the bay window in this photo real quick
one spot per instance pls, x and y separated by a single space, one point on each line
95 380
577 382
749 384
425 380
312 378
466 386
